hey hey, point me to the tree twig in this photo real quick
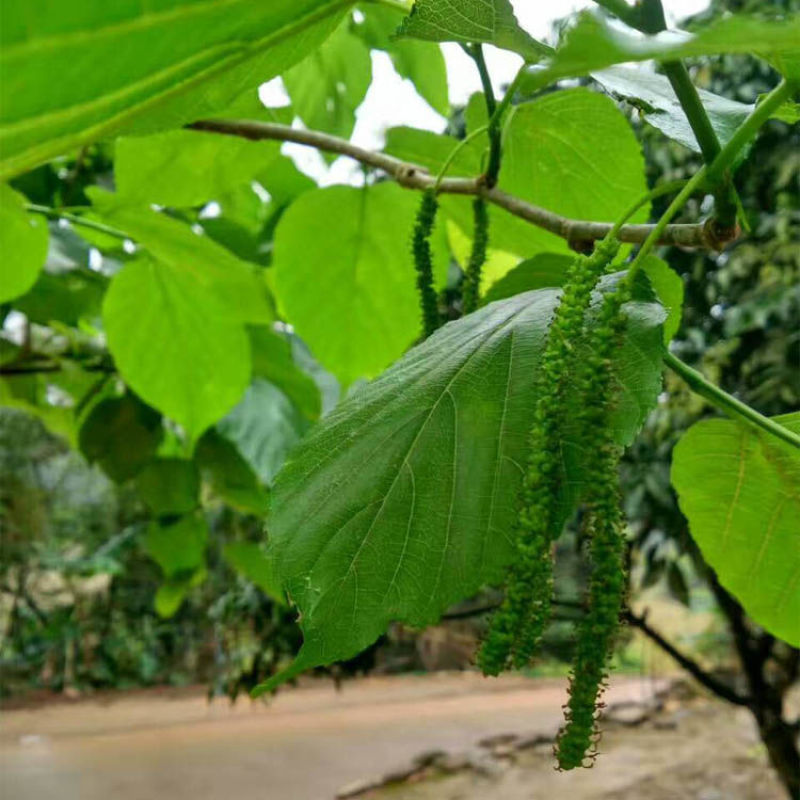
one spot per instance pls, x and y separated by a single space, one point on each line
414 176
691 666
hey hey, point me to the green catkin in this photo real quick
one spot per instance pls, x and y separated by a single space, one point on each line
477 257
518 624
423 261
605 528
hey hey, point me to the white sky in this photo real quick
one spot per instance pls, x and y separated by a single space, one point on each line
392 101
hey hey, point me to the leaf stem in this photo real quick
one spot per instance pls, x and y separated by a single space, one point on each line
455 151
55 213
726 157
495 144
657 191
648 17
699 384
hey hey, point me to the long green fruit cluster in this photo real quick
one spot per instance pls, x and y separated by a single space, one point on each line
604 525
517 626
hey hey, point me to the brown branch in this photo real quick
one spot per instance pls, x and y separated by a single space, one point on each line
692 667
413 176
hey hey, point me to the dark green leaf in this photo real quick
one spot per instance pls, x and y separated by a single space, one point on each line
654 95
593 44
231 477
668 287
178 548
273 360
400 502
121 434
264 426
169 486
468 21
250 561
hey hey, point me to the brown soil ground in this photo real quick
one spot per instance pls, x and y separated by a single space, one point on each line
313 740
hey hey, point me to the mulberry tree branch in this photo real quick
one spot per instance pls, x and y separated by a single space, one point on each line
414 176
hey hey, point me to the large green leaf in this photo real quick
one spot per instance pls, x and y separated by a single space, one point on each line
264 426
549 160
740 491
146 65
540 272
250 561
273 360
345 275
169 486
178 547
401 501
328 86
421 62
175 344
237 285
121 434
23 245
593 44
655 97
231 477
187 168
468 21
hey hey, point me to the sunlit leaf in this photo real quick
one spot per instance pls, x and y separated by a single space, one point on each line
147 66
175 344
23 245
740 491
346 278
468 21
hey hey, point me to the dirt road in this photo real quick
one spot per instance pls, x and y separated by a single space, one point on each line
305 745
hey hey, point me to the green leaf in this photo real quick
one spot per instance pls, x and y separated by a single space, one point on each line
540 272
169 486
656 98
125 65
329 85
237 285
264 426
178 547
175 344
121 434
400 502
468 21
230 476
431 150
250 561
668 287
170 595
739 491
67 297
550 161
273 360
187 168
346 278
593 44
23 244
421 62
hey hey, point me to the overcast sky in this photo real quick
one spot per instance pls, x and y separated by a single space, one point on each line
392 101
